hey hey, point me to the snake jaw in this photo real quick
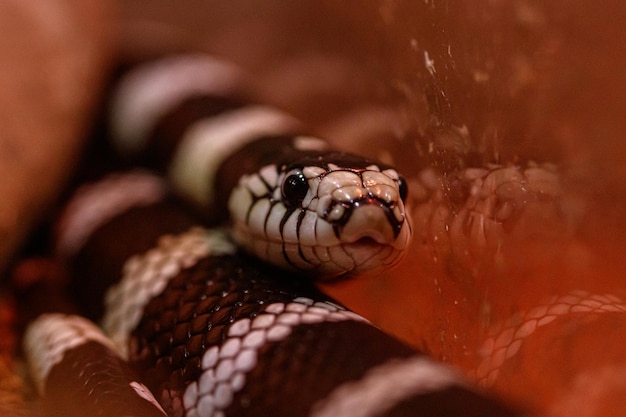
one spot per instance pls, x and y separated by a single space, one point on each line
323 262
366 242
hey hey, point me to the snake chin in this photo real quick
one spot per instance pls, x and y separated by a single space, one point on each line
369 255
325 262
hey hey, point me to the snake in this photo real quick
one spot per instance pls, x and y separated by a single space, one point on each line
291 199
179 319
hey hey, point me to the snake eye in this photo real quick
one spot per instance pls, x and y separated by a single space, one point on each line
294 189
403 188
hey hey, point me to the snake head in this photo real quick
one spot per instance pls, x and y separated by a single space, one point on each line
327 213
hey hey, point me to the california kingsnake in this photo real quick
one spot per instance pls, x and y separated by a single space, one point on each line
291 200
193 326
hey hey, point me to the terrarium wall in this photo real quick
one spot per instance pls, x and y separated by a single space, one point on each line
506 117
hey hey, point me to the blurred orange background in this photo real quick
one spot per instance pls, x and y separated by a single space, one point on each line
530 304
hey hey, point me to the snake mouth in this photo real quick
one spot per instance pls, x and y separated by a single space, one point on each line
367 255
371 234
330 262
360 236
373 225
326 261
367 241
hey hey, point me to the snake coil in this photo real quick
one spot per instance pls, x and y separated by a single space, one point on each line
197 323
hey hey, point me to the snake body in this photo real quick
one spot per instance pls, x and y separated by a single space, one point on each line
191 323
291 199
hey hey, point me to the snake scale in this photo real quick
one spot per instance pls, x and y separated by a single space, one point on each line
201 322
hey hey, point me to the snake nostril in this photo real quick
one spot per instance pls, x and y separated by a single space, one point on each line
336 213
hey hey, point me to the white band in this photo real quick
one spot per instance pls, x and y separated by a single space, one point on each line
94 204
225 366
209 141
147 274
149 92
49 337
386 385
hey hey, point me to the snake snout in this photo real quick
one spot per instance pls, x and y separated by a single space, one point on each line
369 222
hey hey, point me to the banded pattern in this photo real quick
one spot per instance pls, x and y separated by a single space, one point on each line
146 276
292 201
112 197
150 92
224 367
505 341
78 371
212 332
384 385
